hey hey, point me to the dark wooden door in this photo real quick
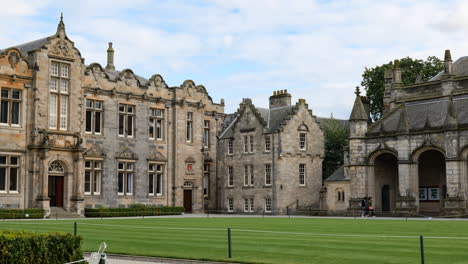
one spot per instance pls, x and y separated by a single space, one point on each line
188 201
56 191
386 198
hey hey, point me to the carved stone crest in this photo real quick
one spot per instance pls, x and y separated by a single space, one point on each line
61 48
158 82
13 59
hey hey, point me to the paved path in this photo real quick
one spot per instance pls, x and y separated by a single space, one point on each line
126 259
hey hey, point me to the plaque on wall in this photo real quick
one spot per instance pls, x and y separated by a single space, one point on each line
422 194
433 194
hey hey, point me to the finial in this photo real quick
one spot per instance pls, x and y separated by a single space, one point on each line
61 16
396 65
358 91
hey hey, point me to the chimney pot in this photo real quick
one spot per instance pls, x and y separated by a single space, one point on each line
110 57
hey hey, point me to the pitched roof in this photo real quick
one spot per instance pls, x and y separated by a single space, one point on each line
459 68
425 115
338 175
359 111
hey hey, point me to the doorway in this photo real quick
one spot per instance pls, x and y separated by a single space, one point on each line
386 198
188 201
56 191
386 182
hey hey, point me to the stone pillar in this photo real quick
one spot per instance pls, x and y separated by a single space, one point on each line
406 200
453 202
43 200
78 182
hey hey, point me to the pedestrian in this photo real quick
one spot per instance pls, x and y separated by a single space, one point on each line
363 207
371 208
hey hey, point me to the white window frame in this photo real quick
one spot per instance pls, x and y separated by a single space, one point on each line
156 122
230 178
246 144
251 143
268 174
189 127
156 170
126 173
10 100
94 110
126 114
302 174
248 175
59 109
8 167
302 141
206 134
95 174
249 205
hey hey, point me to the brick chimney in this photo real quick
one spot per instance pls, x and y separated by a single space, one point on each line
110 57
280 98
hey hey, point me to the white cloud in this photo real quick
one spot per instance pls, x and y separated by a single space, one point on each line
242 48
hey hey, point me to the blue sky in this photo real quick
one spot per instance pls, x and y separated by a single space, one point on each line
317 50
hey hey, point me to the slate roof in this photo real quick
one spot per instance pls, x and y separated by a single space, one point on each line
30 46
425 115
459 68
114 76
338 175
359 111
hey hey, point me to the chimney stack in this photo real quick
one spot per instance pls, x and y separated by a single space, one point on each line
110 57
448 63
397 72
280 98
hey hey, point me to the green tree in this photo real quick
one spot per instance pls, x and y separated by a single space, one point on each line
411 70
336 138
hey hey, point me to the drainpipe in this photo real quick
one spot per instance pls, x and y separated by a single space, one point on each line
168 123
273 174
174 146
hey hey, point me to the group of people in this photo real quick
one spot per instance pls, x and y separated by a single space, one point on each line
367 209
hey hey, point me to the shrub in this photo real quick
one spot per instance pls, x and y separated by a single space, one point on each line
37 248
21 213
134 210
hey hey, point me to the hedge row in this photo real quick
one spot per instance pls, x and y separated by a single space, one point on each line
37 248
134 210
20 213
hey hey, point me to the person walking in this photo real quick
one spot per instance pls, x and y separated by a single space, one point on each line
363 207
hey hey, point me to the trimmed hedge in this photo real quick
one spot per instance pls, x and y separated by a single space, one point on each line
37 248
134 210
21 213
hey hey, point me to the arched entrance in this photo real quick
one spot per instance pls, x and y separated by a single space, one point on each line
56 182
386 182
432 181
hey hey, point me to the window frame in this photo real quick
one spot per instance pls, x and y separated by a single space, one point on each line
267 140
125 173
303 141
230 147
302 174
10 100
206 134
8 166
268 205
126 114
206 184
62 97
156 116
230 205
189 127
230 174
268 174
93 171
158 173
94 110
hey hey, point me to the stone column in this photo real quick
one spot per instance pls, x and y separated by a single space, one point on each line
453 202
43 200
78 181
406 200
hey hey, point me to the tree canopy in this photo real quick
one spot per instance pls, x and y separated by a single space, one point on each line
336 138
411 70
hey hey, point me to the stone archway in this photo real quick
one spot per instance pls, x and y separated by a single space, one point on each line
385 182
431 181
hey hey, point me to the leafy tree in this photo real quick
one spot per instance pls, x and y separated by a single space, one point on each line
411 70
336 138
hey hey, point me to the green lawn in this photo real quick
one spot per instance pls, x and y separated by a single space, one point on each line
293 240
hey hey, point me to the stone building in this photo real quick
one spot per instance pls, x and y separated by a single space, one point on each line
414 158
270 159
74 135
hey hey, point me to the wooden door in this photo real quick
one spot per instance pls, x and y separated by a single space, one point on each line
56 191
188 201
386 198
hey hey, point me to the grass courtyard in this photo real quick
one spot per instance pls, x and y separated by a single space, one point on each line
270 240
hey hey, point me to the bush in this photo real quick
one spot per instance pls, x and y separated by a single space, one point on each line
21 213
134 210
28 247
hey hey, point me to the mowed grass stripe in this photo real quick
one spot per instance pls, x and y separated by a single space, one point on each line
270 240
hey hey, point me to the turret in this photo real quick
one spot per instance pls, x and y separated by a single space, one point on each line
359 117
